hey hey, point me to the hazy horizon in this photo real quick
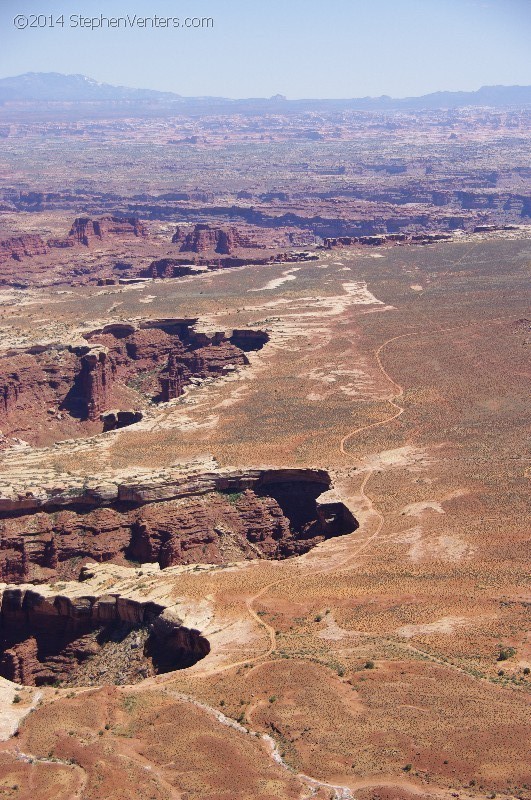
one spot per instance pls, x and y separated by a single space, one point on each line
261 97
301 50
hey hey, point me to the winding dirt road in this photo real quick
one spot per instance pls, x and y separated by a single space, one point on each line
398 392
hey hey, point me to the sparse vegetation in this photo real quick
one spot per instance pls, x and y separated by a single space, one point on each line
233 497
129 703
506 653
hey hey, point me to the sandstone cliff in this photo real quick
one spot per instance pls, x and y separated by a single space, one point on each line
204 238
95 380
173 519
85 231
47 637
169 268
122 367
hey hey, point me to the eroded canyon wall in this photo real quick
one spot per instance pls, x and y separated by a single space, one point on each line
207 518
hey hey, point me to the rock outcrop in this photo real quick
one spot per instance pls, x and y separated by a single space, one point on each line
35 380
206 238
170 520
168 353
81 633
95 381
169 268
9 392
52 383
116 419
172 379
390 238
19 247
85 230
210 260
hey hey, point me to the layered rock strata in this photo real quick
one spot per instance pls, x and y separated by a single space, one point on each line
179 267
84 231
19 247
391 238
175 519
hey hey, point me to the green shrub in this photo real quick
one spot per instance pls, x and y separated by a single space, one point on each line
233 497
506 653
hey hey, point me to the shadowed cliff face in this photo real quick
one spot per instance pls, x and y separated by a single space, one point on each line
86 640
214 518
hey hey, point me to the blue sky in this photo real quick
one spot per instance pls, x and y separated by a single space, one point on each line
300 48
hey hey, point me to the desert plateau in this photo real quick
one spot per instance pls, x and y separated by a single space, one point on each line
264 476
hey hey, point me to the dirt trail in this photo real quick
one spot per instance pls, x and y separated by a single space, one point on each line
380 520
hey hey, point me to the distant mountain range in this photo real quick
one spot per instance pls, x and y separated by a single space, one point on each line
55 87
